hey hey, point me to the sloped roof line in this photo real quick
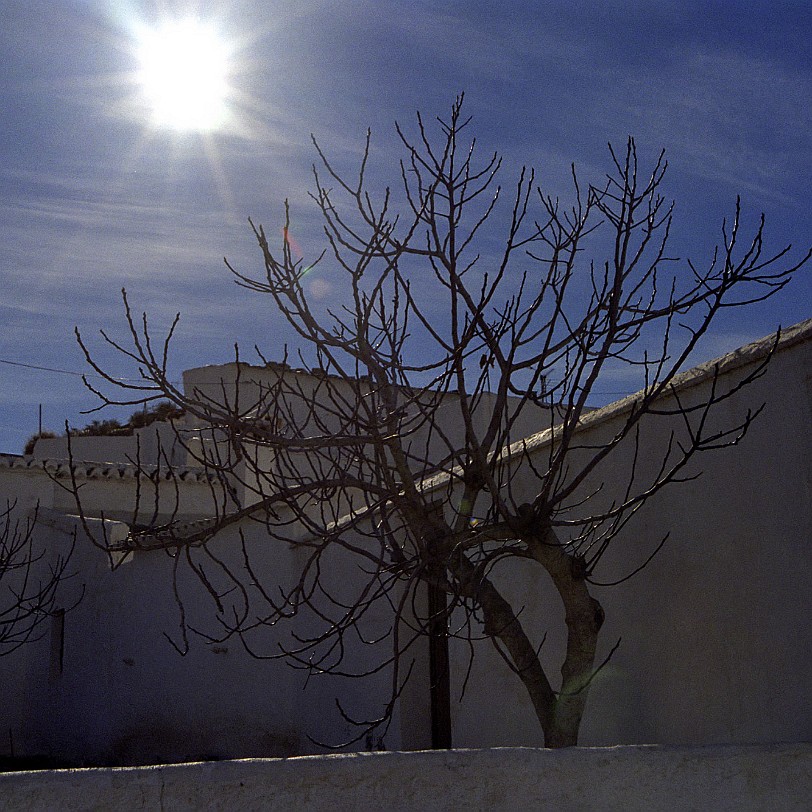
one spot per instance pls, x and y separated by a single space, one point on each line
749 353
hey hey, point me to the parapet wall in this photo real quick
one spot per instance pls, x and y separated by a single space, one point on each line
615 778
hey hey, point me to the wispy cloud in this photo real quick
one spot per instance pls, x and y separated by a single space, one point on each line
92 200
726 117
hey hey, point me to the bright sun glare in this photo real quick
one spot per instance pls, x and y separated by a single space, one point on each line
184 74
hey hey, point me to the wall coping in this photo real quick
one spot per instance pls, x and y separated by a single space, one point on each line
722 777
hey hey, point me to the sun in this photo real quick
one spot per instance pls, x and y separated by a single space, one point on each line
183 73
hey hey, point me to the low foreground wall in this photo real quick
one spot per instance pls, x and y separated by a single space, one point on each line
776 777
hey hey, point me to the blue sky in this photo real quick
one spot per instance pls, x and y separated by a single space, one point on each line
94 197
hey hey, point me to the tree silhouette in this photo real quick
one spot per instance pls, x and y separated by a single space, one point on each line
29 580
459 318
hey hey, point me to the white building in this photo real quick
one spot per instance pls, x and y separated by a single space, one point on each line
715 633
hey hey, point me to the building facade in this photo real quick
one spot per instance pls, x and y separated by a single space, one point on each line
714 632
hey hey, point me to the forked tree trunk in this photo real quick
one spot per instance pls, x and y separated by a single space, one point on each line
559 714
584 617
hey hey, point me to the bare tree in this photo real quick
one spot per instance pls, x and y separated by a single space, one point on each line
399 443
29 580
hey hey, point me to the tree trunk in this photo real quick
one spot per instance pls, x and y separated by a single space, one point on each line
559 714
584 617
502 624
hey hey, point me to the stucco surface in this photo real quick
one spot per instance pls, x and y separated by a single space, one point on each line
715 635
619 778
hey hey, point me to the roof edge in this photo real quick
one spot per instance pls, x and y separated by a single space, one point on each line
755 351
91 469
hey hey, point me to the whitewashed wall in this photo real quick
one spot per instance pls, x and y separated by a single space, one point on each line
147 444
715 632
124 695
